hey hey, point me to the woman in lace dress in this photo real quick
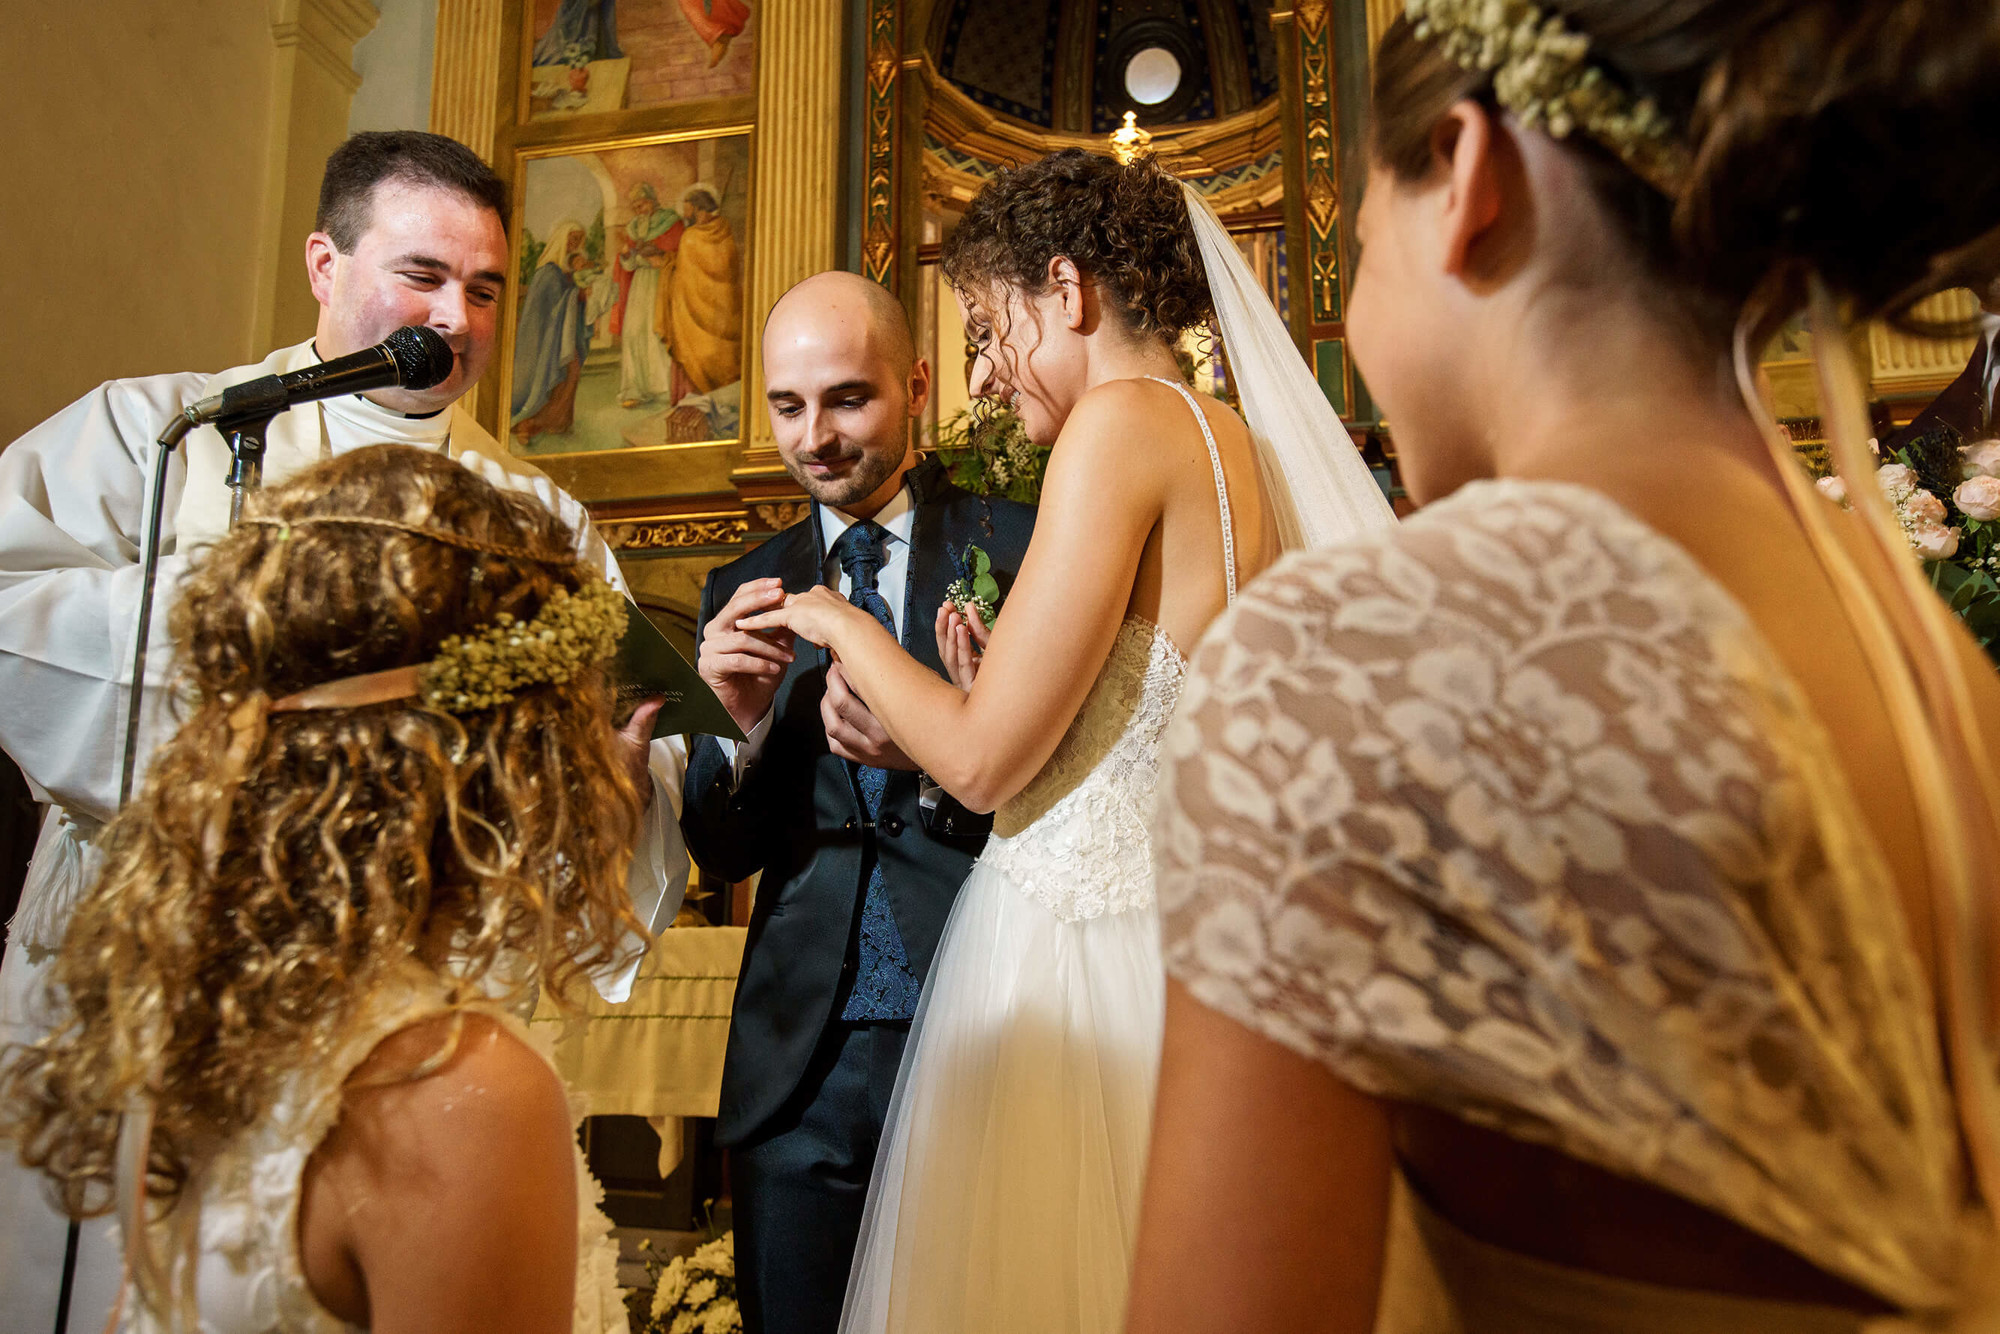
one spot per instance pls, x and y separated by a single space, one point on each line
285 1047
1006 1193
1583 854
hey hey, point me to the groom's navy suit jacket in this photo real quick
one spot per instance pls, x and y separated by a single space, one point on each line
798 818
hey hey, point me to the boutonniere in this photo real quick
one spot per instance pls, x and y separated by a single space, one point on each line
975 588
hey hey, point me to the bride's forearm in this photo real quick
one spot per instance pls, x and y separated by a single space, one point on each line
933 721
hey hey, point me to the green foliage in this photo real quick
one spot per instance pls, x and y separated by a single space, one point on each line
976 589
1968 579
1934 458
593 242
989 454
531 255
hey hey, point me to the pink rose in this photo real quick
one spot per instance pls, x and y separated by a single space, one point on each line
1981 459
1924 509
1833 489
1979 496
1935 541
1895 481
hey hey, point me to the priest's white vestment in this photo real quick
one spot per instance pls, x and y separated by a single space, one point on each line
73 497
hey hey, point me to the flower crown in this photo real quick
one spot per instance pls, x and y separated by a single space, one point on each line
484 667
1542 73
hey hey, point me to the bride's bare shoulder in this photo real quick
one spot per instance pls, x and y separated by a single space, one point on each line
1128 421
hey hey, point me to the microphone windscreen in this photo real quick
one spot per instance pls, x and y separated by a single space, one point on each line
423 358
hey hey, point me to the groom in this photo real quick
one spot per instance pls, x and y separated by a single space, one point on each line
861 856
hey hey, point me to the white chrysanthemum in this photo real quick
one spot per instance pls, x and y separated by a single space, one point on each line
672 1283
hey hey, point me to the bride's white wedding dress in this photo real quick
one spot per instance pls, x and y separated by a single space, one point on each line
1006 1193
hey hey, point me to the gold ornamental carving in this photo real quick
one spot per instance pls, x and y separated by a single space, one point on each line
780 515
678 534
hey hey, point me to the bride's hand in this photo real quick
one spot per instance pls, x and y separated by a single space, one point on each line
816 615
961 639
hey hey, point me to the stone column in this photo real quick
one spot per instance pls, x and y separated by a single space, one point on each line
1381 13
465 72
1905 367
312 87
466 66
795 197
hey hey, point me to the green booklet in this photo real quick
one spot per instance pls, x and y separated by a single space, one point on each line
648 664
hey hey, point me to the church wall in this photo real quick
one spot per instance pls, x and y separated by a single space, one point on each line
133 194
163 168
394 63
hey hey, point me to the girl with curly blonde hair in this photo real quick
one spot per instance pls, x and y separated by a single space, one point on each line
285 1047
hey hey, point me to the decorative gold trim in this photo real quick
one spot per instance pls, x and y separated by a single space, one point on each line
601 474
677 532
779 515
878 242
685 118
612 144
1198 150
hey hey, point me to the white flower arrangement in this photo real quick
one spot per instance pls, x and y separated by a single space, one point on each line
1946 496
696 1294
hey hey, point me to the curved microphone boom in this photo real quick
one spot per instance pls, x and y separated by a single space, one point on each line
413 357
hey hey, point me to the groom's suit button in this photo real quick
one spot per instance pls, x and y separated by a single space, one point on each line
892 825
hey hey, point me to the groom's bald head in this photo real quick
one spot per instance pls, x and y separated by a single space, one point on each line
841 303
842 380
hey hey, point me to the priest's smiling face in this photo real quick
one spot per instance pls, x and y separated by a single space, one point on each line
429 255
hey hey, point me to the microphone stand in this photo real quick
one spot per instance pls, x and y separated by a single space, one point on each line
247 443
246 451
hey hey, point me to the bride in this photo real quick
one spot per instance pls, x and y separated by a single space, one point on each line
1006 1195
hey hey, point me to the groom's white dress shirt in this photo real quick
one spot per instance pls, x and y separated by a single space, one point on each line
892 582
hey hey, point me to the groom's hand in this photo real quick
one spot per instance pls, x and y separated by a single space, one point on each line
852 732
744 669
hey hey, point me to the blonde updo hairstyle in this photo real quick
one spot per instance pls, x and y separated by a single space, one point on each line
360 843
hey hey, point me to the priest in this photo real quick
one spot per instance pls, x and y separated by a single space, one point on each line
409 231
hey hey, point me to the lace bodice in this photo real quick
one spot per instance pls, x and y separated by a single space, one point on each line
248 1275
1511 812
1076 837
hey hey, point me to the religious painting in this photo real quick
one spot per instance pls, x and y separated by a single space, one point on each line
589 56
626 336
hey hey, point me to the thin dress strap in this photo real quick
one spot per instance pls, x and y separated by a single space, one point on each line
1221 486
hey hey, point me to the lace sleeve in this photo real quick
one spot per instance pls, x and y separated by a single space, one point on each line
1508 813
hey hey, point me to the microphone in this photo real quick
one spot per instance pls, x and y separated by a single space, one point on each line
413 357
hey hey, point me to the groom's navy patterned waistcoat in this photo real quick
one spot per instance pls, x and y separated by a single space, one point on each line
833 858
884 986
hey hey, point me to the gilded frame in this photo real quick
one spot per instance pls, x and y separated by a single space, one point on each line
521 41
631 473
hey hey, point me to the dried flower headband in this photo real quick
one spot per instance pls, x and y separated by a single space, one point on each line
485 667
471 672
1543 74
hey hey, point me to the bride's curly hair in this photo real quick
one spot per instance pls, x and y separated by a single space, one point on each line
489 850
1126 226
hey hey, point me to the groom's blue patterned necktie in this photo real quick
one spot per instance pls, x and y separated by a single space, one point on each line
884 986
